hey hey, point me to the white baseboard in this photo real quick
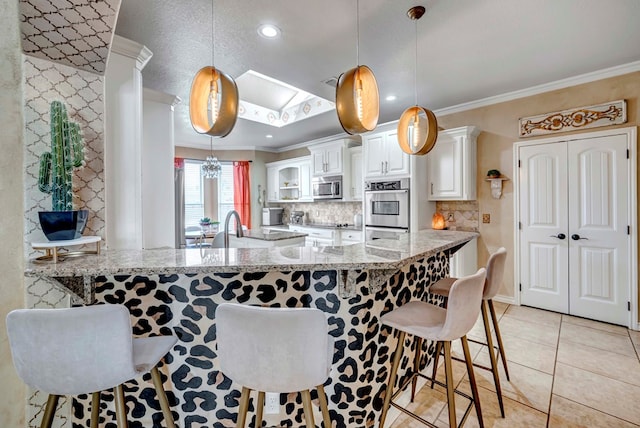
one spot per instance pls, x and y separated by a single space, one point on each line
509 300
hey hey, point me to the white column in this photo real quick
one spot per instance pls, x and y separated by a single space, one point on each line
123 144
158 195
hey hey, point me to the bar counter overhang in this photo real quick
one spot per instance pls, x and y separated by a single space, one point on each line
177 291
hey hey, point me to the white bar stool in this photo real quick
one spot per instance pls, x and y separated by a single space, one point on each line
430 322
84 350
275 349
495 273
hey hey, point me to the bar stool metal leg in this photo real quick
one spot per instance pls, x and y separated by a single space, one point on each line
496 328
392 378
95 409
448 370
49 411
121 408
436 357
472 379
162 397
492 356
308 411
244 407
259 409
324 407
416 367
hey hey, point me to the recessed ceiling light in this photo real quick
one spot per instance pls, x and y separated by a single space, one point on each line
391 98
269 136
268 31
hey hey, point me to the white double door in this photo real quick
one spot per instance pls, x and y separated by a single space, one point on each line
573 201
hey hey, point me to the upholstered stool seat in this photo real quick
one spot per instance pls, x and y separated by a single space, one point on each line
278 350
429 322
84 351
495 273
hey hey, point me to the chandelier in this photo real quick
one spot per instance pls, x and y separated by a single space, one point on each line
211 168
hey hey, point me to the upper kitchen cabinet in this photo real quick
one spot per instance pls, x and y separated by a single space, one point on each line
357 183
329 158
383 155
289 180
452 165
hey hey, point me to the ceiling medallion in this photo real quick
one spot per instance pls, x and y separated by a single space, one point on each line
357 97
213 101
418 127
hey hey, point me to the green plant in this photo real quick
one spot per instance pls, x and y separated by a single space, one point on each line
205 220
56 166
493 173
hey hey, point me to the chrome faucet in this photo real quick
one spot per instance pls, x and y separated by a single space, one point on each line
239 233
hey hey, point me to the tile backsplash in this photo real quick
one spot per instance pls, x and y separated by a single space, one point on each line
460 215
322 212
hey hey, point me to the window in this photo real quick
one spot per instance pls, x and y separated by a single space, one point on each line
195 199
225 191
193 193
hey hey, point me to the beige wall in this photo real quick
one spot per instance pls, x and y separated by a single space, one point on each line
499 125
12 393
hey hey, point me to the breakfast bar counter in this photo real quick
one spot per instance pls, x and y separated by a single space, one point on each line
177 292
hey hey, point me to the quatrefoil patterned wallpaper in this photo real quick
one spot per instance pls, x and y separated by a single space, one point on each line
76 33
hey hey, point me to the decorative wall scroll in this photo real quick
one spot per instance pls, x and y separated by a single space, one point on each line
611 113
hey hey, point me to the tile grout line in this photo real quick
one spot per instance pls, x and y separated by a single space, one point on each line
555 367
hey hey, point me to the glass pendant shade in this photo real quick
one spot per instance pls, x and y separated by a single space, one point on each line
417 130
358 100
211 168
213 102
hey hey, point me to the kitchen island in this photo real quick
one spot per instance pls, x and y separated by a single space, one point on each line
177 292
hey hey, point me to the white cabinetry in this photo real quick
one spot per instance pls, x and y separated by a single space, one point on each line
289 180
383 155
464 262
357 183
452 165
350 237
327 158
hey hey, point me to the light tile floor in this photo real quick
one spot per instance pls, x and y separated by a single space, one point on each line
565 372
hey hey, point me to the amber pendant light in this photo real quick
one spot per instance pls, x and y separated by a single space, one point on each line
357 98
418 127
213 102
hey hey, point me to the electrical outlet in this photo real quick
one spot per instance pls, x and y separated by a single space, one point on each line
486 218
272 403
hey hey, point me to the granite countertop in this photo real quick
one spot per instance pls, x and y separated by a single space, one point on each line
351 227
378 254
272 235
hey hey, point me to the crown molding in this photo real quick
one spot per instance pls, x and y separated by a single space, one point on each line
134 50
545 87
160 97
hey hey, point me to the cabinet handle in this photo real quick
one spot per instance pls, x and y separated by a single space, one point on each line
432 188
386 167
382 167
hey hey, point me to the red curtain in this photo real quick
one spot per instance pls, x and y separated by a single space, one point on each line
242 191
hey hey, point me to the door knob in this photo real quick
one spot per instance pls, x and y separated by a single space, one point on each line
559 236
577 237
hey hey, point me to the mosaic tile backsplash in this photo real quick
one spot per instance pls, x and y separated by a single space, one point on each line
460 215
323 212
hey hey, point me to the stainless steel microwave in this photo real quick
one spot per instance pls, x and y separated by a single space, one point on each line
327 187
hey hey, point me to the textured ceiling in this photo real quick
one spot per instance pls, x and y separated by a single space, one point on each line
70 32
468 49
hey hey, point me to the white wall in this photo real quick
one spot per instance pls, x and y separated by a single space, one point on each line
123 144
158 190
12 397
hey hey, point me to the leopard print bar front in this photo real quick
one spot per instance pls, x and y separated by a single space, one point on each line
201 396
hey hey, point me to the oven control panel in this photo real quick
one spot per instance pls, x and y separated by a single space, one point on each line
400 184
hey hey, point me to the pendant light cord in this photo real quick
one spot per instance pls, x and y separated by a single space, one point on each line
415 67
213 36
358 33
